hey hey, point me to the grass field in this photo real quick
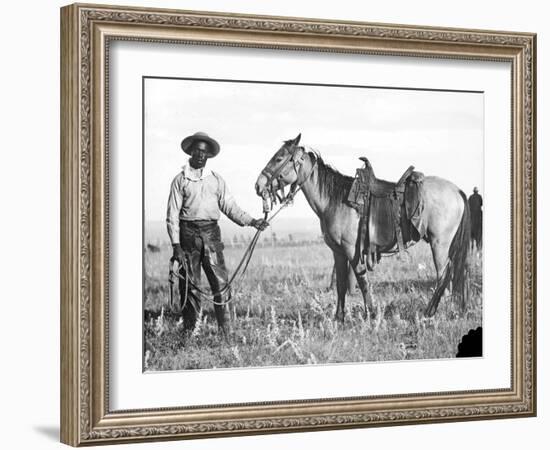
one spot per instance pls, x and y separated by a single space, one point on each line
283 314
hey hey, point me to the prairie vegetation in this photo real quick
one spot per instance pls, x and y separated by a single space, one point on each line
283 314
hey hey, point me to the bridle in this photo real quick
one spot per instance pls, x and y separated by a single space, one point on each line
296 156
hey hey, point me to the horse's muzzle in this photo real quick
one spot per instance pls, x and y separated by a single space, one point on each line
261 184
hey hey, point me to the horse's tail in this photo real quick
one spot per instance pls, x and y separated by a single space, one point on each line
457 267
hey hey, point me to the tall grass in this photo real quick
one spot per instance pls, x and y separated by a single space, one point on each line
283 314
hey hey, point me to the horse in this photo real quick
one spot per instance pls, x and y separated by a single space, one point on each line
445 212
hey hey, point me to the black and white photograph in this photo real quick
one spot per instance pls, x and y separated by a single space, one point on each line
275 225
292 224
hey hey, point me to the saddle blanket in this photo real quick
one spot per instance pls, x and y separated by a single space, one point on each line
391 213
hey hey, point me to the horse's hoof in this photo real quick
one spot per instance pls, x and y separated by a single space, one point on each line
224 329
371 314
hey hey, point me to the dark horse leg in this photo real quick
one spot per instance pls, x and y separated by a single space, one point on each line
366 290
351 280
341 264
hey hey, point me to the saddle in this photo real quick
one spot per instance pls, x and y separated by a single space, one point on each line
390 213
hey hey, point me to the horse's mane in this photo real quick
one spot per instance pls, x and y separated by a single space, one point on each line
333 184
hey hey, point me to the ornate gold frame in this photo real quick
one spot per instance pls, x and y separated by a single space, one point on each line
85 34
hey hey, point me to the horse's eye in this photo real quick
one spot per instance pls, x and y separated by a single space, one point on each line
279 159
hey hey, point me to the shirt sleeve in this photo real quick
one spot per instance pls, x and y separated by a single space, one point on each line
175 200
229 206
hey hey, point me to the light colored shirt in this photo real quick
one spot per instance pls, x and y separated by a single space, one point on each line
200 194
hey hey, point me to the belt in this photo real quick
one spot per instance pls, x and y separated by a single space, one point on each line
198 223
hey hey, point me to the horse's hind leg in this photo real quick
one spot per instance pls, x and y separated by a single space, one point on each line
341 264
366 292
440 252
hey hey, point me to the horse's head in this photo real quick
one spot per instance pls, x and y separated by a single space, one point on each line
282 169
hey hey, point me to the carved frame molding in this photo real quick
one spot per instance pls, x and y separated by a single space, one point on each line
86 31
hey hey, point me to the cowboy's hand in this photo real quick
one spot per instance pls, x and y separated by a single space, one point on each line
178 253
259 224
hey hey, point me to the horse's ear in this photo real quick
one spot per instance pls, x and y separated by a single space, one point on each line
297 139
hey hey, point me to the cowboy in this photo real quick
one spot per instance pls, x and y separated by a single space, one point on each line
476 214
197 195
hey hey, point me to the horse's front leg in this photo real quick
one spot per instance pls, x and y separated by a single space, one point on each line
341 265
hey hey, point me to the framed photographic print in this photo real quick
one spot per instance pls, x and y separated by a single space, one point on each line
275 224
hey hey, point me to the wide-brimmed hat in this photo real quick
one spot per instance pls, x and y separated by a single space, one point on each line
214 147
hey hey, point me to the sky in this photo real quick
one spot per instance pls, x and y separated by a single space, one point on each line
439 132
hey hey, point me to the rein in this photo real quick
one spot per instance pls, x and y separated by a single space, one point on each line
174 273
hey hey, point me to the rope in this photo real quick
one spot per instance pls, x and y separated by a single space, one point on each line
245 260
243 264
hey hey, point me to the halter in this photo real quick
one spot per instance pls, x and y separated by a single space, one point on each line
295 155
